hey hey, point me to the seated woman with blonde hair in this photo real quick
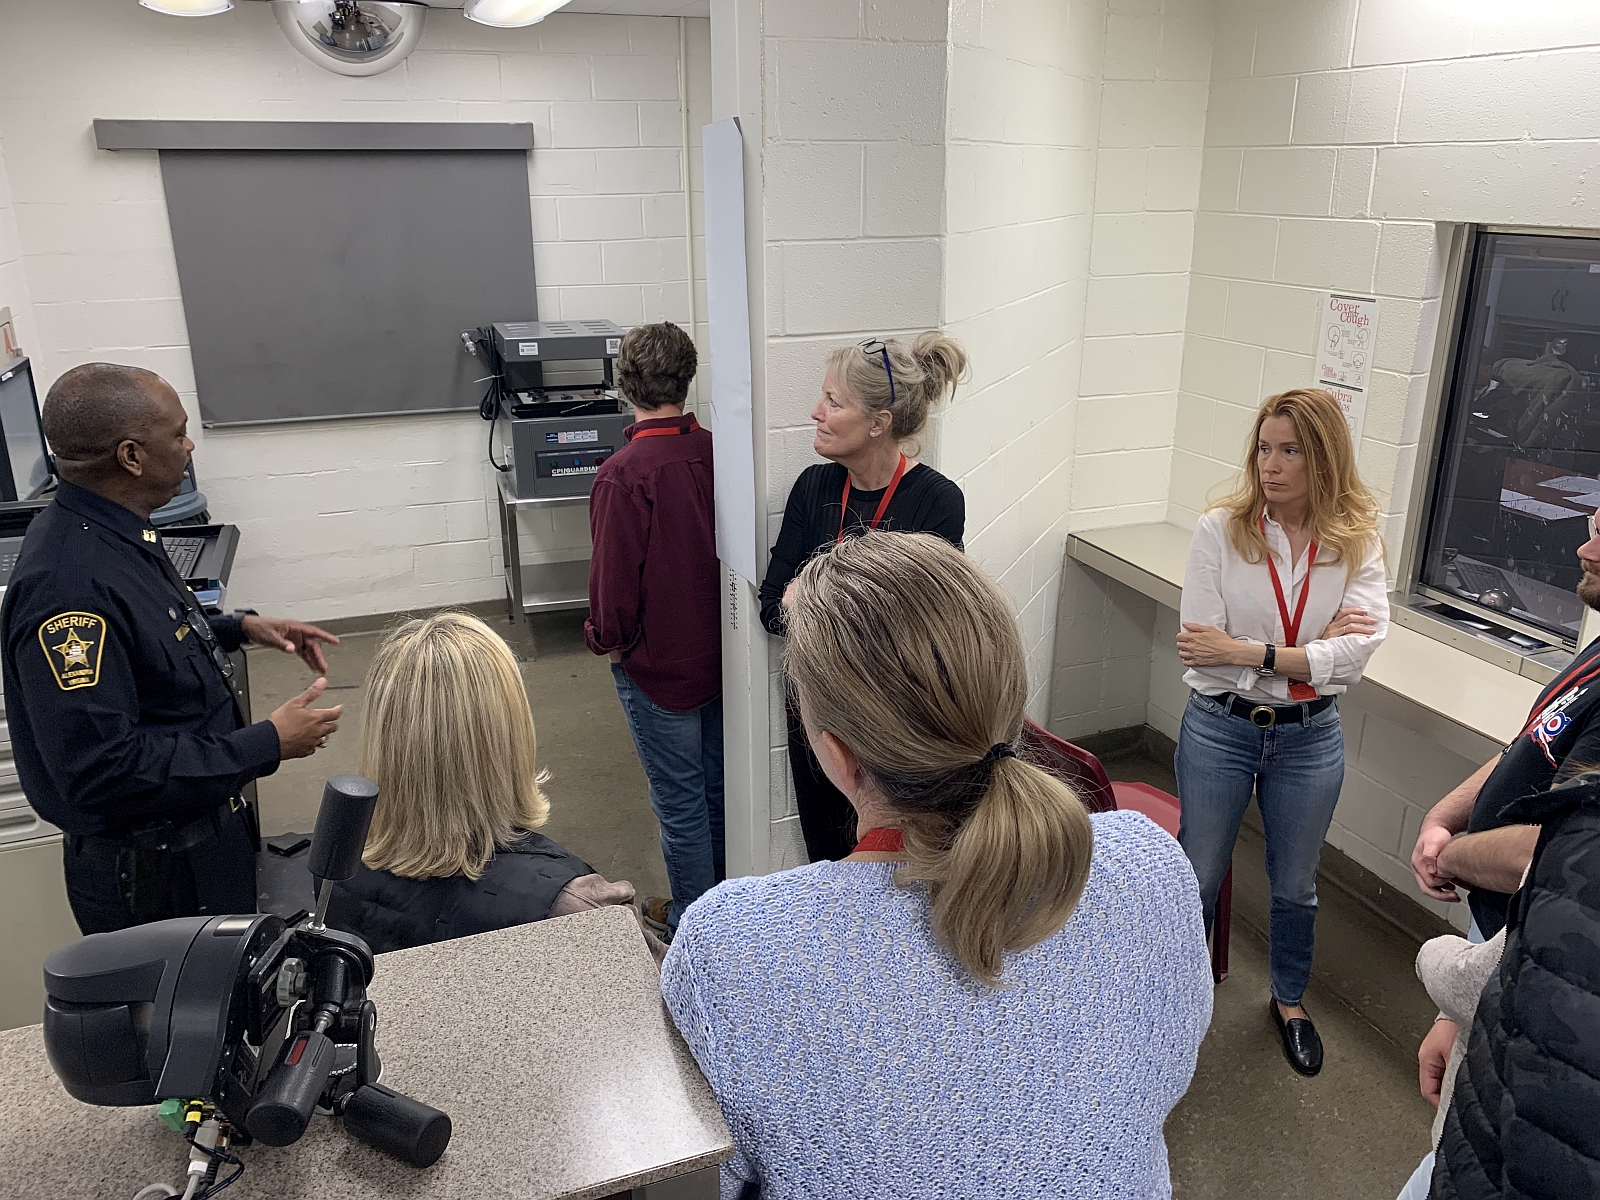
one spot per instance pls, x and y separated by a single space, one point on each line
449 740
996 994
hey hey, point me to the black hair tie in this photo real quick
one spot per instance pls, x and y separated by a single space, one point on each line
998 751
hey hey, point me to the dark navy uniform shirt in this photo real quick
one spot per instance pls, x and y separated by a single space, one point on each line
119 716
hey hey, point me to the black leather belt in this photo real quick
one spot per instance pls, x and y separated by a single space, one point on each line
1265 716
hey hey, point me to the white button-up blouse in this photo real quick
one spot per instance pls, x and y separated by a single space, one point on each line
1220 589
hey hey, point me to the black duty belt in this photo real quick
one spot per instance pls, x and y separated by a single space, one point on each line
169 837
1265 716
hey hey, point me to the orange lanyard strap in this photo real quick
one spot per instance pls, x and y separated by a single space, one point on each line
666 431
890 841
883 505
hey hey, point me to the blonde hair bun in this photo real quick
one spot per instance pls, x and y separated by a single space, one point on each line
925 375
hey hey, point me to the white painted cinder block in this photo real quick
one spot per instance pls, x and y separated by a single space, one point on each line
1296 182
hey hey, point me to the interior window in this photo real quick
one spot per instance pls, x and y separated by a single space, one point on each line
1520 466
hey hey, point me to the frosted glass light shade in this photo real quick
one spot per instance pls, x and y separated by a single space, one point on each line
188 8
509 14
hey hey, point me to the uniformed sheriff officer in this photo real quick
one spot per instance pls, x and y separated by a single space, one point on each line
124 723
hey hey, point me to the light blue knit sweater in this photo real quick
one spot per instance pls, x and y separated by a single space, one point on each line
852 1057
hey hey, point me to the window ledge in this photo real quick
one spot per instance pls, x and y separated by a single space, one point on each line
1449 681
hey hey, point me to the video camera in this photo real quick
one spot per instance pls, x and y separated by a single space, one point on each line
250 1018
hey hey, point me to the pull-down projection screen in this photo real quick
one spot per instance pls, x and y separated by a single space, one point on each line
336 282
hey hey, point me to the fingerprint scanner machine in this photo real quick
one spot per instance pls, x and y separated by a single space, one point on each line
554 431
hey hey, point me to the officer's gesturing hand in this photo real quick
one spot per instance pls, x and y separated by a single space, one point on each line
292 637
301 728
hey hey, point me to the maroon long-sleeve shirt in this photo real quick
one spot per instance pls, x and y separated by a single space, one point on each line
653 577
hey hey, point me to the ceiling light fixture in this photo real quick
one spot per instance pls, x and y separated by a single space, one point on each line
188 8
510 14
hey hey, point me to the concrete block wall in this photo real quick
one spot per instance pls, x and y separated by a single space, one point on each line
1023 116
1148 152
1343 139
14 292
374 515
1147 185
1392 776
1103 638
852 218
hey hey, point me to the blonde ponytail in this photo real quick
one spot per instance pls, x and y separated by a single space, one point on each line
909 655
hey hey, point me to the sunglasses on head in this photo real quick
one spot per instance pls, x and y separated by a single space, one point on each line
874 346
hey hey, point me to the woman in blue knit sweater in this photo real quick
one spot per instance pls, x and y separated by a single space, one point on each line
996 995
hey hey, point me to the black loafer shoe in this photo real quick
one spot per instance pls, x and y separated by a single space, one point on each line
1301 1045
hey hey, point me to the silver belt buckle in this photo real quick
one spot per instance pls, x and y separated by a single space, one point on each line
1263 716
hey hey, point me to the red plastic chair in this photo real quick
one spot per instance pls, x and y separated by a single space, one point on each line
1071 764
1082 770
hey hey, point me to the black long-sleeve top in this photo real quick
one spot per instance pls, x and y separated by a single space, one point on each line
925 502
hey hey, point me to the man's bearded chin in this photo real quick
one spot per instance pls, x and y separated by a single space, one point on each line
1589 586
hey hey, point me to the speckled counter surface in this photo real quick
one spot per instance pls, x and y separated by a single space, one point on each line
547 1044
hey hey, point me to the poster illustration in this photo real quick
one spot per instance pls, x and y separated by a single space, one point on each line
1347 336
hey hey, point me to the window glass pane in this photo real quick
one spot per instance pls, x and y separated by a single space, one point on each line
1521 453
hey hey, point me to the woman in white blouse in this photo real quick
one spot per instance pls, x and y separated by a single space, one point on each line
1284 601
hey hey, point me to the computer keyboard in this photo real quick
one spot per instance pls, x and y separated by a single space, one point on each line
184 553
8 562
1478 578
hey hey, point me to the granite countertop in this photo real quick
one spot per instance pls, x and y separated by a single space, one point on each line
548 1044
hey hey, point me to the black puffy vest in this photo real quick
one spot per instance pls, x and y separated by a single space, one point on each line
519 885
1525 1121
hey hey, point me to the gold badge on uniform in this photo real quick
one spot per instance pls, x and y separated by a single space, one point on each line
72 642
149 535
181 632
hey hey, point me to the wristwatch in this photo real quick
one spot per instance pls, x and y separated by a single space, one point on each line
1266 663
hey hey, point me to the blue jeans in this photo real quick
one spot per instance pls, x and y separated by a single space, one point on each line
1295 772
681 753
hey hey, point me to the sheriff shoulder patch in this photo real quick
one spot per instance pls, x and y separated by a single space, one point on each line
72 642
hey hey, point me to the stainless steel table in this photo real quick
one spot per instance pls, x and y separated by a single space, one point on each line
537 587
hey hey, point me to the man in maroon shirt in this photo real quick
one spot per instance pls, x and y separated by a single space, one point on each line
653 588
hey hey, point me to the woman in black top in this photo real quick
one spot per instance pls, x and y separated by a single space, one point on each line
876 398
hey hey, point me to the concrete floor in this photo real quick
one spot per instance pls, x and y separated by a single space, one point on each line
1249 1127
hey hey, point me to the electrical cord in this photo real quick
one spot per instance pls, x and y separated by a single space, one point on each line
218 1156
496 397
156 1191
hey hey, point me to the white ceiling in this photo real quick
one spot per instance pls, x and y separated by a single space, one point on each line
620 8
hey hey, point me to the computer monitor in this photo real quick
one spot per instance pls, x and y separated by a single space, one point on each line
25 468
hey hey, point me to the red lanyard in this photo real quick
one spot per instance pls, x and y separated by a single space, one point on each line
883 505
1291 629
665 430
888 841
1558 689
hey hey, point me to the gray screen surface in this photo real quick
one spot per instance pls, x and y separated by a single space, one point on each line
337 283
